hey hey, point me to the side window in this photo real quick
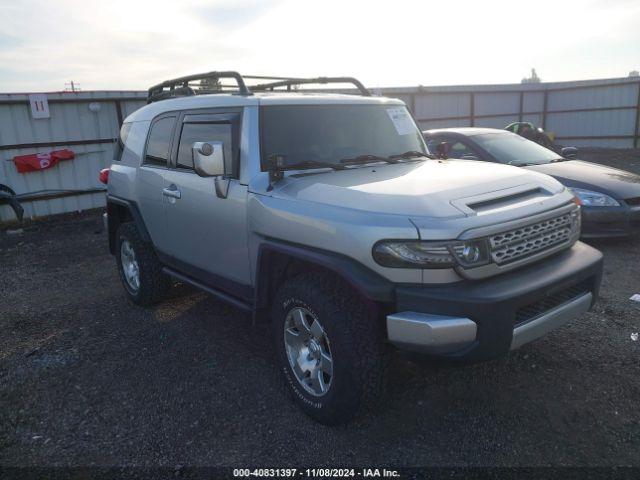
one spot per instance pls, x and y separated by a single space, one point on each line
158 143
122 139
432 143
461 150
205 132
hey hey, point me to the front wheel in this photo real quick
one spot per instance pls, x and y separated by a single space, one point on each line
329 347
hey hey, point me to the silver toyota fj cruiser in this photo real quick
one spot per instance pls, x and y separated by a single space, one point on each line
325 215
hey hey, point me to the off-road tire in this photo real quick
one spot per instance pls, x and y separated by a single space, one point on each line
153 283
360 355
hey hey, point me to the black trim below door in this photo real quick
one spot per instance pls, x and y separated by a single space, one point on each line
195 275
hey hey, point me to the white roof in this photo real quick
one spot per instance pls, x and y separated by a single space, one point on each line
154 109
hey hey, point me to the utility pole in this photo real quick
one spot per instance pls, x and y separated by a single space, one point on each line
72 86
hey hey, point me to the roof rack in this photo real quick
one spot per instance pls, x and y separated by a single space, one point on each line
197 84
207 83
294 82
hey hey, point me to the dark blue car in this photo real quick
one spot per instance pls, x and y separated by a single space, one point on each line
610 198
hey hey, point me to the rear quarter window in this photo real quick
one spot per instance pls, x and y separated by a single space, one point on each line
122 139
133 144
159 141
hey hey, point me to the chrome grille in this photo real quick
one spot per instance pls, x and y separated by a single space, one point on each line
531 239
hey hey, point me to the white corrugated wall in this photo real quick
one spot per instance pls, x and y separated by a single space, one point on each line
72 125
603 113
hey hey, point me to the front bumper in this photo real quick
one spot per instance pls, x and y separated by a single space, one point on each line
601 222
479 320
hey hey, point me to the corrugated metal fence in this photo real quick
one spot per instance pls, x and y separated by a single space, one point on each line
603 113
89 132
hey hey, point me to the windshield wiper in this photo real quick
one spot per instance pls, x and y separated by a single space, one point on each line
360 159
412 154
308 164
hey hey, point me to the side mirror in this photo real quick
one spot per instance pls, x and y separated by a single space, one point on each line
569 152
208 158
442 150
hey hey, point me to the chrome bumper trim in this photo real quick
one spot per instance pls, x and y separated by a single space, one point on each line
551 320
426 333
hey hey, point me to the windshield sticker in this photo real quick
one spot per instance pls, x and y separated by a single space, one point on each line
401 120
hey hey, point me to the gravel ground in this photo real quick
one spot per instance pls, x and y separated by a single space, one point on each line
87 378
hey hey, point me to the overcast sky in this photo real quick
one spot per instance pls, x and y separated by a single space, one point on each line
130 44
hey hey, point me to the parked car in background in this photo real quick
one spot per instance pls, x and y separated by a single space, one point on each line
610 198
529 131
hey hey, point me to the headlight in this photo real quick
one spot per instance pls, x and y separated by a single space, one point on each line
419 254
589 198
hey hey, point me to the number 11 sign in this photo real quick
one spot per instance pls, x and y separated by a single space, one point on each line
39 105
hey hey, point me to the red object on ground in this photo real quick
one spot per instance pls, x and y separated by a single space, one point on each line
41 161
104 176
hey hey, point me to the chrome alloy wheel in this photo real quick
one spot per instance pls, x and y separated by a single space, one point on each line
130 265
308 351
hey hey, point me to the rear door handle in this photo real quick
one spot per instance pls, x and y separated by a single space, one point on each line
171 191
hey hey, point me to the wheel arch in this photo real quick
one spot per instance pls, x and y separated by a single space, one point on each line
278 261
120 211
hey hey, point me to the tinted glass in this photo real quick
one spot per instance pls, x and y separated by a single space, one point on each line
204 132
330 133
122 138
432 143
159 140
512 149
460 150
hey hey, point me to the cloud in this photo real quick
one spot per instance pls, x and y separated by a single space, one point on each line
231 15
131 44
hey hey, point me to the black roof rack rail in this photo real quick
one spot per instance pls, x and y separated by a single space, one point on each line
203 83
206 83
292 82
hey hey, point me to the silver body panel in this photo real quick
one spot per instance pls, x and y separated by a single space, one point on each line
207 231
345 212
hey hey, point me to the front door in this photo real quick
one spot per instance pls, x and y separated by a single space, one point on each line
206 232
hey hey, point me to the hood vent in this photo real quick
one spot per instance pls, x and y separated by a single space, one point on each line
507 201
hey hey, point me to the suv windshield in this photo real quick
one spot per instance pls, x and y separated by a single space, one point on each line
337 134
514 149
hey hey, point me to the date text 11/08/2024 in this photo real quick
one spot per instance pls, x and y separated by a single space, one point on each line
317 472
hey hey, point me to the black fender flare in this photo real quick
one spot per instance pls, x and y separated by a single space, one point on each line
134 210
371 285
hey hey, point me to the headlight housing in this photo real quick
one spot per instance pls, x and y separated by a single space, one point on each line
422 254
589 198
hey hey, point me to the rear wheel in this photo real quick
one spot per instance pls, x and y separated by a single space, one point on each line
139 268
329 348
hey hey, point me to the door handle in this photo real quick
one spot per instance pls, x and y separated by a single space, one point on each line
172 191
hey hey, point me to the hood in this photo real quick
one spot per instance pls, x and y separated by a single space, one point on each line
433 188
592 176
